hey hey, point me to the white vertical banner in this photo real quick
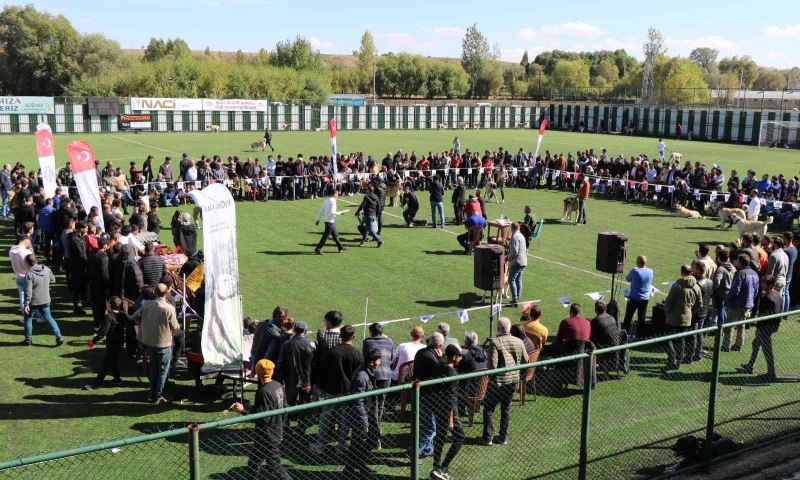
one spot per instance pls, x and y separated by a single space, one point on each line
222 319
45 150
81 160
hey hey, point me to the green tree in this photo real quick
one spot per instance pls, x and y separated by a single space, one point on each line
745 67
37 52
156 50
367 61
98 55
297 54
705 57
769 79
684 82
525 62
793 76
570 74
475 52
608 71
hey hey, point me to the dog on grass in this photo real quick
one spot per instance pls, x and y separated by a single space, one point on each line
570 209
259 144
684 212
752 226
490 188
692 449
214 128
727 216
676 157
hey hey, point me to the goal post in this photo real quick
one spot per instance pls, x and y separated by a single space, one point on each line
775 134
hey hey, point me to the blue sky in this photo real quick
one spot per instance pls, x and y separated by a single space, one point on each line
769 33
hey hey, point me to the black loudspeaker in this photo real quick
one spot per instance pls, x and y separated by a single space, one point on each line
611 252
490 266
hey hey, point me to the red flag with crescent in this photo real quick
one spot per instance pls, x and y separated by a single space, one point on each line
81 159
45 150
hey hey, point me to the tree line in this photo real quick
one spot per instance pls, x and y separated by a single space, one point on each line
42 54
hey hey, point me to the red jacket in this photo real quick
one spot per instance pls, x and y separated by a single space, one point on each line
574 328
583 192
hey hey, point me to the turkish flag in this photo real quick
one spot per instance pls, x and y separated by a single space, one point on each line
81 159
542 127
44 143
81 156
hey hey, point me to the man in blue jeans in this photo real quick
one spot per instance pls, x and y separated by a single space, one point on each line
437 197
157 322
5 186
517 261
369 207
18 254
427 364
641 280
37 299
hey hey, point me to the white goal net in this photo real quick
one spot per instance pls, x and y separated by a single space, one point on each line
779 134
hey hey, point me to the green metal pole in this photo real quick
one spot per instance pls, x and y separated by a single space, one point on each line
194 451
712 395
415 433
587 397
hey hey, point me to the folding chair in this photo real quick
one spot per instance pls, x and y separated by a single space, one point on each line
474 401
405 374
530 374
537 231
475 236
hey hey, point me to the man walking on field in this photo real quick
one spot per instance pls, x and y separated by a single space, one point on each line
328 215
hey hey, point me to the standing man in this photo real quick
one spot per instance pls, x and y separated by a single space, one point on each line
18 254
409 200
369 205
458 201
518 260
700 318
506 351
456 146
683 302
166 169
791 254
437 197
328 214
268 138
723 278
296 361
157 322
427 363
753 206
740 301
583 196
99 280
361 417
641 280
661 147
5 187
264 459
382 372
778 266
445 407
37 299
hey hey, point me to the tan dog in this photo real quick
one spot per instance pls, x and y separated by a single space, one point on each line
441 126
259 144
751 226
676 157
684 212
490 188
214 128
522 125
570 209
476 125
727 216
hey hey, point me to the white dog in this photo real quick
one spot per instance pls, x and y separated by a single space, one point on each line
752 226
684 212
727 216
259 144
214 128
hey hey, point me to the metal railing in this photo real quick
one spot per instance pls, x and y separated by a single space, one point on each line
614 425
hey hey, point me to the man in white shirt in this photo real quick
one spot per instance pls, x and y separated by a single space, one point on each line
406 351
328 215
661 148
17 254
754 207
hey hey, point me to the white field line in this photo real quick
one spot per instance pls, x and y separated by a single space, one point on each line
144 144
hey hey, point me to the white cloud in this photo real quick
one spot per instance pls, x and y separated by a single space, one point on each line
323 46
449 31
86 21
712 41
775 55
526 34
632 48
572 29
404 41
709 23
787 31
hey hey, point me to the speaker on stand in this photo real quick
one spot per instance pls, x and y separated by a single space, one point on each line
611 256
489 272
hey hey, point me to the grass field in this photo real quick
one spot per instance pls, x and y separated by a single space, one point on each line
418 271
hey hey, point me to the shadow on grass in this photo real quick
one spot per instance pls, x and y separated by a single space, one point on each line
465 299
285 253
444 252
653 215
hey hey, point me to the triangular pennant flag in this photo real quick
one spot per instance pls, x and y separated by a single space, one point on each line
564 301
526 307
496 309
426 318
463 316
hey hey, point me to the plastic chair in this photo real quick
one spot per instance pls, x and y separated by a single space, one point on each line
405 374
537 231
473 402
475 235
530 374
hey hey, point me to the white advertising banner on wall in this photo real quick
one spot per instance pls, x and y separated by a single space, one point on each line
235 105
175 104
25 105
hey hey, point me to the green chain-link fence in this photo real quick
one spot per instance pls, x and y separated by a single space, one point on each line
574 420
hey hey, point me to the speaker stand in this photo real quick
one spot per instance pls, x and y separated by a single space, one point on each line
613 284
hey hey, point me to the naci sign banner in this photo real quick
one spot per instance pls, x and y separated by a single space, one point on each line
198 104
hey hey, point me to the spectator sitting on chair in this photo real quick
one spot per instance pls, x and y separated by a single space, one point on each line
575 327
473 220
444 329
605 330
508 351
406 352
519 332
531 321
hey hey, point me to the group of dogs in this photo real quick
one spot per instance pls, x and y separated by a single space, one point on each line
728 217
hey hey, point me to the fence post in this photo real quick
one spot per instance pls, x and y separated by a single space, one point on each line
415 432
587 397
712 395
194 451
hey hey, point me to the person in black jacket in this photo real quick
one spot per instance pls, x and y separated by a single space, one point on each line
77 261
369 206
437 197
427 365
458 201
153 267
297 358
445 406
113 328
264 459
187 235
268 138
139 217
99 280
336 373
409 200
768 304
153 220
605 330
126 276
361 417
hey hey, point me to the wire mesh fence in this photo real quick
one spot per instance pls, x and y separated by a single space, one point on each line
606 413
